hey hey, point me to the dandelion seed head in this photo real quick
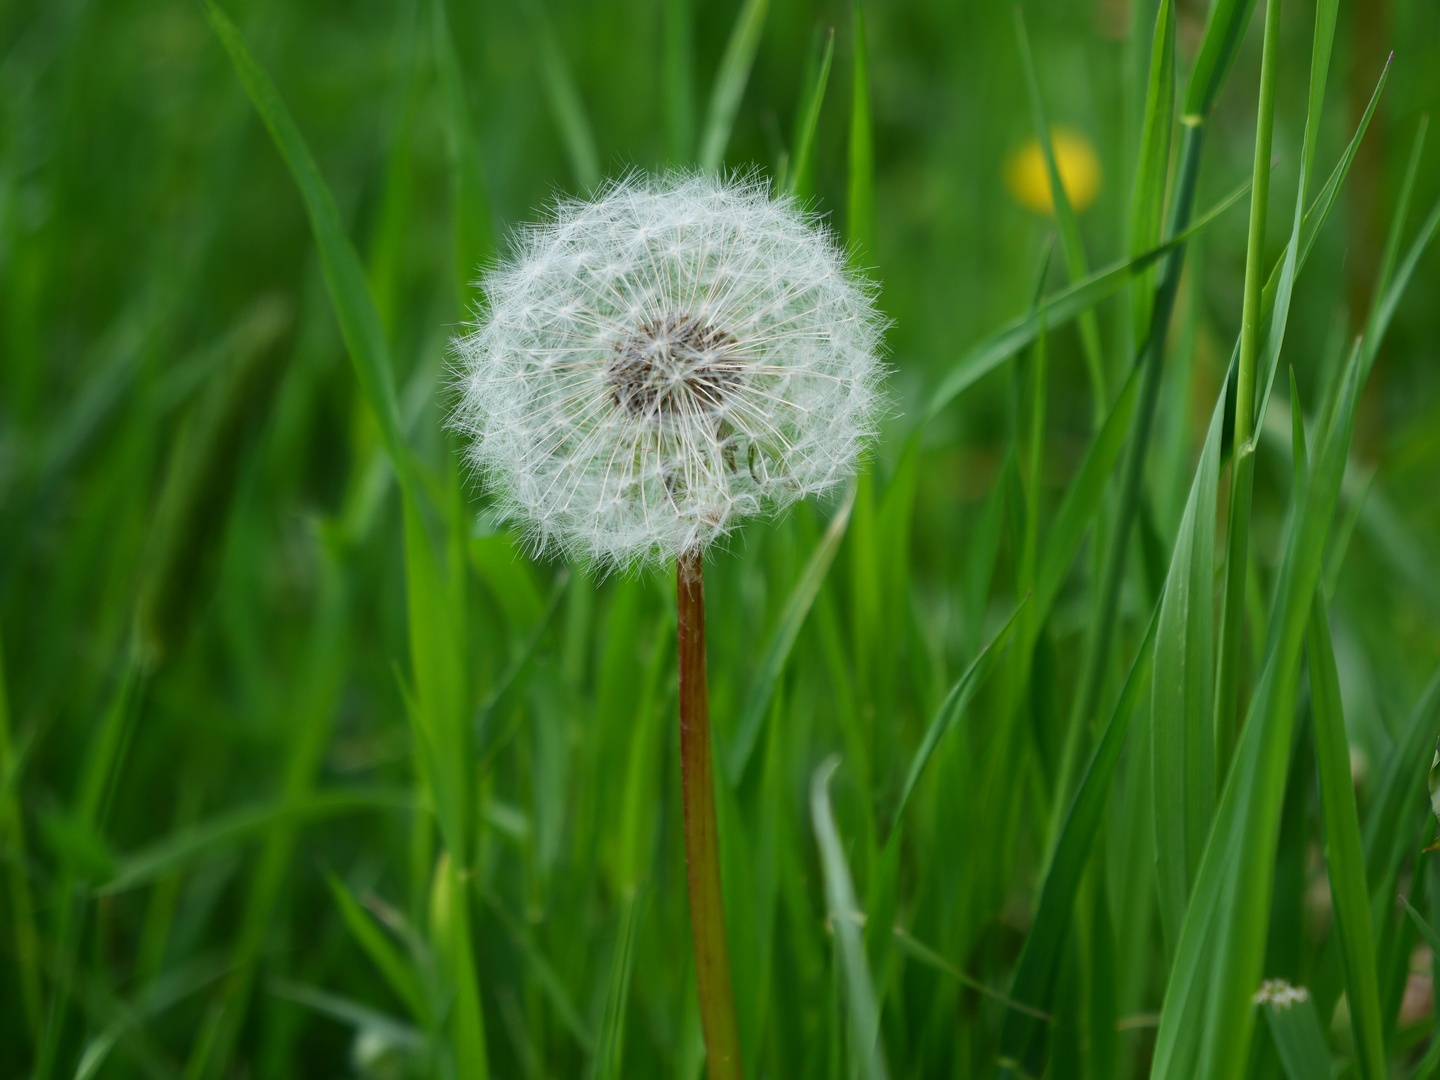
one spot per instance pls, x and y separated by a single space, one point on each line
661 362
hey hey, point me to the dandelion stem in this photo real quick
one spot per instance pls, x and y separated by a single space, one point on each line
702 850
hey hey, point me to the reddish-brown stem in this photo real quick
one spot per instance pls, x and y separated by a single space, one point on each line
702 849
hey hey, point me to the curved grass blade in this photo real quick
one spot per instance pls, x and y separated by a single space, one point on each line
799 179
214 835
860 223
1035 972
867 1052
1071 243
954 706
782 640
1295 1026
566 106
1058 309
730 81
344 275
396 968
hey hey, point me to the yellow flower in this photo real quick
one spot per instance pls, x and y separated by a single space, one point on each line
1029 179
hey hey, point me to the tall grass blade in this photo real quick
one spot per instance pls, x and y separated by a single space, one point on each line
25 937
1182 746
782 640
396 968
1147 197
677 62
863 1009
799 179
1299 1038
566 105
861 227
730 81
610 1054
1071 243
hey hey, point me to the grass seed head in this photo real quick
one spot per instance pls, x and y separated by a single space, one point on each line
656 364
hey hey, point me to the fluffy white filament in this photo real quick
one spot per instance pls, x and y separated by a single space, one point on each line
664 360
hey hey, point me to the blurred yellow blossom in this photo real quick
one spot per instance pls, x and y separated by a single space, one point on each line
1075 157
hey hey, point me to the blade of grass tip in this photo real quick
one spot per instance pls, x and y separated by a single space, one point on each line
566 106
677 63
360 323
217 834
610 1053
1071 243
1060 308
474 235
800 177
953 707
1040 956
730 81
22 902
1344 852
860 223
389 960
782 640
1397 225
1147 197
1237 551
867 1053
454 945
1181 707
1295 1026
930 958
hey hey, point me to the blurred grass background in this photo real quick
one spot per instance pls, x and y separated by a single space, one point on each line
190 474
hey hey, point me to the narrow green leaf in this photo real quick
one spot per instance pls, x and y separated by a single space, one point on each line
867 1053
954 706
1034 979
474 239
210 837
1147 197
1071 243
932 959
730 81
566 105
782 640
1181 706
360 323
677 63
799 178
349 1011
383 954
1344 852
545 974
1224 31
610 1054
1059 308
860 223
1295 1025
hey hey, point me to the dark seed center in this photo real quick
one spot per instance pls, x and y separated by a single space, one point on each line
674 364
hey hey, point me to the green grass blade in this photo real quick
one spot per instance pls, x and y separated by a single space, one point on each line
866 1050
546 975
209 837
1071 243
1224 32
1181 706
360 323
610 1054
26 940
1344 852
677 61
1147 197
1059 308
566 105
1397 225
474 239
861 227
1295 1026
953 707
932 959
1035 972
730 81
799 179
782 640
396 968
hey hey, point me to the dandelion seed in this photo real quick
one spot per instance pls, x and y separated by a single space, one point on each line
658 364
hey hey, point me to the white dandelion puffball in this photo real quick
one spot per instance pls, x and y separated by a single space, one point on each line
664 360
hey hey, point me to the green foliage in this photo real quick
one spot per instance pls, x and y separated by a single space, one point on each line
1037 760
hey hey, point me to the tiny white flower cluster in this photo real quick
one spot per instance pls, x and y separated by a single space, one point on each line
655 364
1280 993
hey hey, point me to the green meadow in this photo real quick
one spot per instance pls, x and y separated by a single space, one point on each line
1088 733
